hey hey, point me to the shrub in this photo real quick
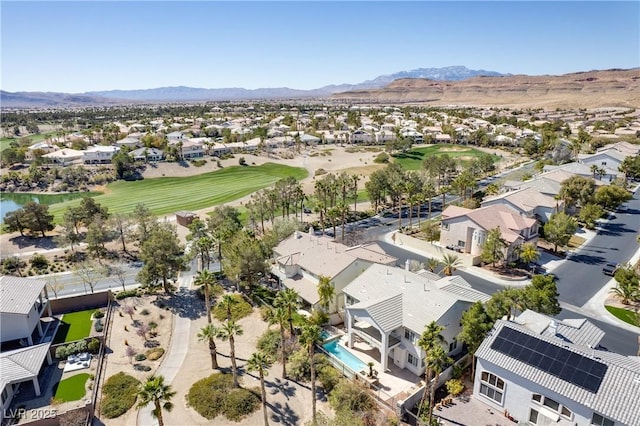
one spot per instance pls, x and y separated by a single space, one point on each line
39 262
140 357
154 354
98 314
98 326
298 366
145 312
269 343
93 346
320 172
126 293
240 403
352 397
120 392
328 376
242 161
199 162
141 367
215 395
455 387
381 158
238 311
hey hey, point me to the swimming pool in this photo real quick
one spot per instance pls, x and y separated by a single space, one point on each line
325 335
346 357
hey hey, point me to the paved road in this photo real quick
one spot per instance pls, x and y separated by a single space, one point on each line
74 285
616 339
581 277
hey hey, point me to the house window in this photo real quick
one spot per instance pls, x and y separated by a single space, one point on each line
351 300
552 405
460 243
410 335
413 360
453 345
599 420
445 226
492 386
533 417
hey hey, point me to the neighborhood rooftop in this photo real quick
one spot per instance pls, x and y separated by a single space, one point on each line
17 294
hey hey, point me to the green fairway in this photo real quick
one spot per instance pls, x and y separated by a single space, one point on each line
6 142
73 388
412 160
168 195
625 315
74 326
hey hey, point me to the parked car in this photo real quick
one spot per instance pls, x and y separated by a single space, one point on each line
609 268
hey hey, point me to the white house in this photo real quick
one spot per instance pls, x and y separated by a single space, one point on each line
542 371
23 303
389 307
361 136
302 258
147 154
528 202
99 154
64 156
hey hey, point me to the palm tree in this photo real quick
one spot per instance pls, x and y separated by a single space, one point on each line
205 278
437 360
289 300
326 292
154 390
529 253
261 363
432 264
311 335
429 339
594 169
228 301
450 262
626 290
209 333
278 315
229 330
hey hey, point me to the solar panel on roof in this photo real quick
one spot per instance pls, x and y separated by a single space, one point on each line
567 365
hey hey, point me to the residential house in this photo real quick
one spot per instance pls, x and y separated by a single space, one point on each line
607 163
361 136
99 154
302 258
189 148
389 307
175 136
42 147
625 148
64 156
442 138
129 142
542 371
466 230
24 308
528 202
147 154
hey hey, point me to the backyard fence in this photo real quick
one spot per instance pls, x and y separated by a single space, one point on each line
96 399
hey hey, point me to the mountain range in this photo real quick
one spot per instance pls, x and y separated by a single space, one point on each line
186 94
456 85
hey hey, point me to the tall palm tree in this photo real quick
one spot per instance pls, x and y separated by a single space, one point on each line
311 335
449 263
154 391
261 363
228 301
229 330
278 315
326 292
290 301
206 279
209 333
429 191
437 360
429 339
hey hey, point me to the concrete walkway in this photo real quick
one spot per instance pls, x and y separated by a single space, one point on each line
177 350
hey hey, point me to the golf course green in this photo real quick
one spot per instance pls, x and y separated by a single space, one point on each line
167 195
412 159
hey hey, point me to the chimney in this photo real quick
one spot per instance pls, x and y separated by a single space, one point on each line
553 326
406 265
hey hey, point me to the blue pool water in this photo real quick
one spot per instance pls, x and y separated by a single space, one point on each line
325 335
344 355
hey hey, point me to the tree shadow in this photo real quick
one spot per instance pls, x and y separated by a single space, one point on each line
586 258
183 303
45 243
283 414
278 386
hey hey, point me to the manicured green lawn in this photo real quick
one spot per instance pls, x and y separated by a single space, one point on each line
73 388
625 315
412 160
168 195
74 326
6 142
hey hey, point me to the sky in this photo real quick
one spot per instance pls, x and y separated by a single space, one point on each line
81 46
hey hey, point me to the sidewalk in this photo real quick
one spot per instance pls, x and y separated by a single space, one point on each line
176 354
